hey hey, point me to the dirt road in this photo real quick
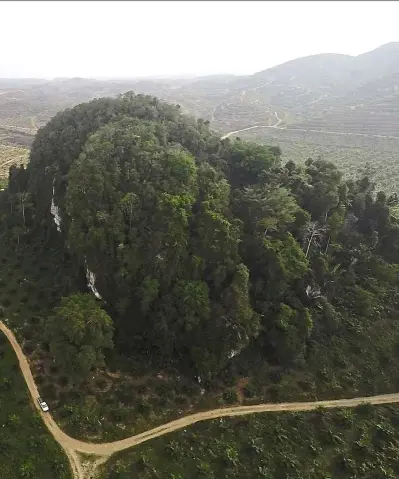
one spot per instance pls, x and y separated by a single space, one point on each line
244 129
56 432
73 446
327 132
276 125
279 120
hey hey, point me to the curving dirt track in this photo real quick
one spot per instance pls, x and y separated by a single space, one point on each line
327 132
73 446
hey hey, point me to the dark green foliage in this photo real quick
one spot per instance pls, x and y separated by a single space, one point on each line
150 216
213 259
201 247
27 449
78 334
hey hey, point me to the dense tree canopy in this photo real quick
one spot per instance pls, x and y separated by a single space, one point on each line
201 247
78 334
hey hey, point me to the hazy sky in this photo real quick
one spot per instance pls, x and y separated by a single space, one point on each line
49 39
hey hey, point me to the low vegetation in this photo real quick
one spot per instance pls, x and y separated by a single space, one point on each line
346 444
27 450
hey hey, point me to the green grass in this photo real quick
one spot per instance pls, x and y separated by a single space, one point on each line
27 450
358 443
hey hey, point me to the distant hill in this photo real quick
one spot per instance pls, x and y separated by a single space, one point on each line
326 91
329 69
318 71
356 95
382 61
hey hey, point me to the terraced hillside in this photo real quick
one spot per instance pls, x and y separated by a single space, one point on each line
327 91
321 94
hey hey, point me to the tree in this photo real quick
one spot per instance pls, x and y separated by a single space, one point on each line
322 192
269 208
289 333
78 334
313 233
334 223
24 203
248 162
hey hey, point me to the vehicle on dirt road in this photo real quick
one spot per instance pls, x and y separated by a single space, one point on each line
43 404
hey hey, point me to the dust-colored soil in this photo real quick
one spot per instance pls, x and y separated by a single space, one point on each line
73 446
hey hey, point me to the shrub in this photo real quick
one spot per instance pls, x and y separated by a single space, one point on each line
230 396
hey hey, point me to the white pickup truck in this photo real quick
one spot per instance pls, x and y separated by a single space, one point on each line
43 404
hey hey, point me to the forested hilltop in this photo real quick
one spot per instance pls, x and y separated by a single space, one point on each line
207 256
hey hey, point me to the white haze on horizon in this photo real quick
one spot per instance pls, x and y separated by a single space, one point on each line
182 38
